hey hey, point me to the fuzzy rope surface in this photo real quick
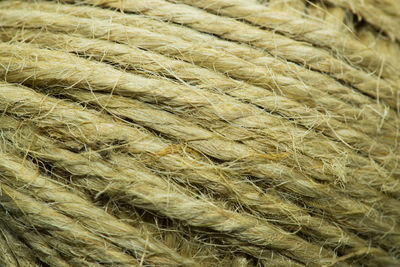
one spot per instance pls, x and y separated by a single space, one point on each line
199 133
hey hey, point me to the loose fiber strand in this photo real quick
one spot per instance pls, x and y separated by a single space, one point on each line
189 96
13 251
96 219
301 29
130 58
236 31
206 214
199 133
302 218
306 76
341 203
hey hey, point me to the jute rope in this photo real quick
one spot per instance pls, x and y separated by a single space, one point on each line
189 133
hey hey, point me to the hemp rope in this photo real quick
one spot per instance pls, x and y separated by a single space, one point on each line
188 133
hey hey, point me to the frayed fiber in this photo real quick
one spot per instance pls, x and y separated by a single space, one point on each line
199 133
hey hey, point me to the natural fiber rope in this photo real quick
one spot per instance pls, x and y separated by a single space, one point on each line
188 133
